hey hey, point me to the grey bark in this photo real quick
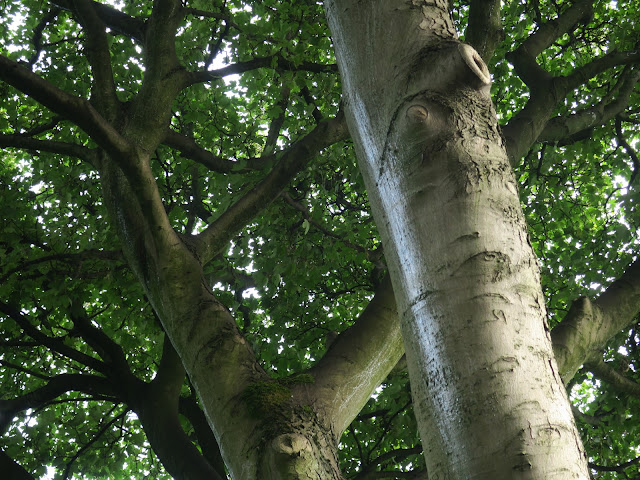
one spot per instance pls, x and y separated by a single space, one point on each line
487 394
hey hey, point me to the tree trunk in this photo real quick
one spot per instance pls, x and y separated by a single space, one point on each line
488 398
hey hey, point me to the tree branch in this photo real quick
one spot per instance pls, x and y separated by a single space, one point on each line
589 325
525 127
76 109
13 470
99 56
605 372
110 352
373 345
562 129
55 387
53 343
114 19
580 11
291 161
206 439
622 141
484 31
188 148
51 146
255 63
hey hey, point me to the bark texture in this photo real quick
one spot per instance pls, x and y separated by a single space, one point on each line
488 397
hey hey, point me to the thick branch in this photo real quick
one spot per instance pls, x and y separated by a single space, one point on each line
206 439
156 405
114 19
590 324
525 128
607 373
164 76
99 56
597 66
13 470
171 374
357 362
484 31
549 32
291 161
562 129
110 352
76 109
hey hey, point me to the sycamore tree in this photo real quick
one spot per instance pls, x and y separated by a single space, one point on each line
193 284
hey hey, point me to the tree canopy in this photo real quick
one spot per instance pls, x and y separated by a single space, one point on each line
255 158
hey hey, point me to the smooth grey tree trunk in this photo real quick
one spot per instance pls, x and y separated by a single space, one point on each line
488 399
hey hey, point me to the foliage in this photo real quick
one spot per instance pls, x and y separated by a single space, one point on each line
303 269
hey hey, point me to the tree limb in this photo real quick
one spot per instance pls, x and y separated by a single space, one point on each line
589 325
372 345
76 109
562 129
605 372
255 63
525 127
53 343
116 20
99 56
51 146
55 387
484 30
290 161
188 148
13 470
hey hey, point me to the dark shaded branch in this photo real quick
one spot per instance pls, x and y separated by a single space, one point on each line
589 325
37 34
276 123
206 439
51 146
23 369
52 343
618 468
171 374
12 470
188 148
224 16
55 387
97 52
110 352
65 257
156 405
484 31
260 62
290 161
76 109
114 19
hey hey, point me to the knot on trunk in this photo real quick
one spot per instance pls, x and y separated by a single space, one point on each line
291 444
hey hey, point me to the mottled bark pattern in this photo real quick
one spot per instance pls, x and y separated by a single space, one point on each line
488 399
